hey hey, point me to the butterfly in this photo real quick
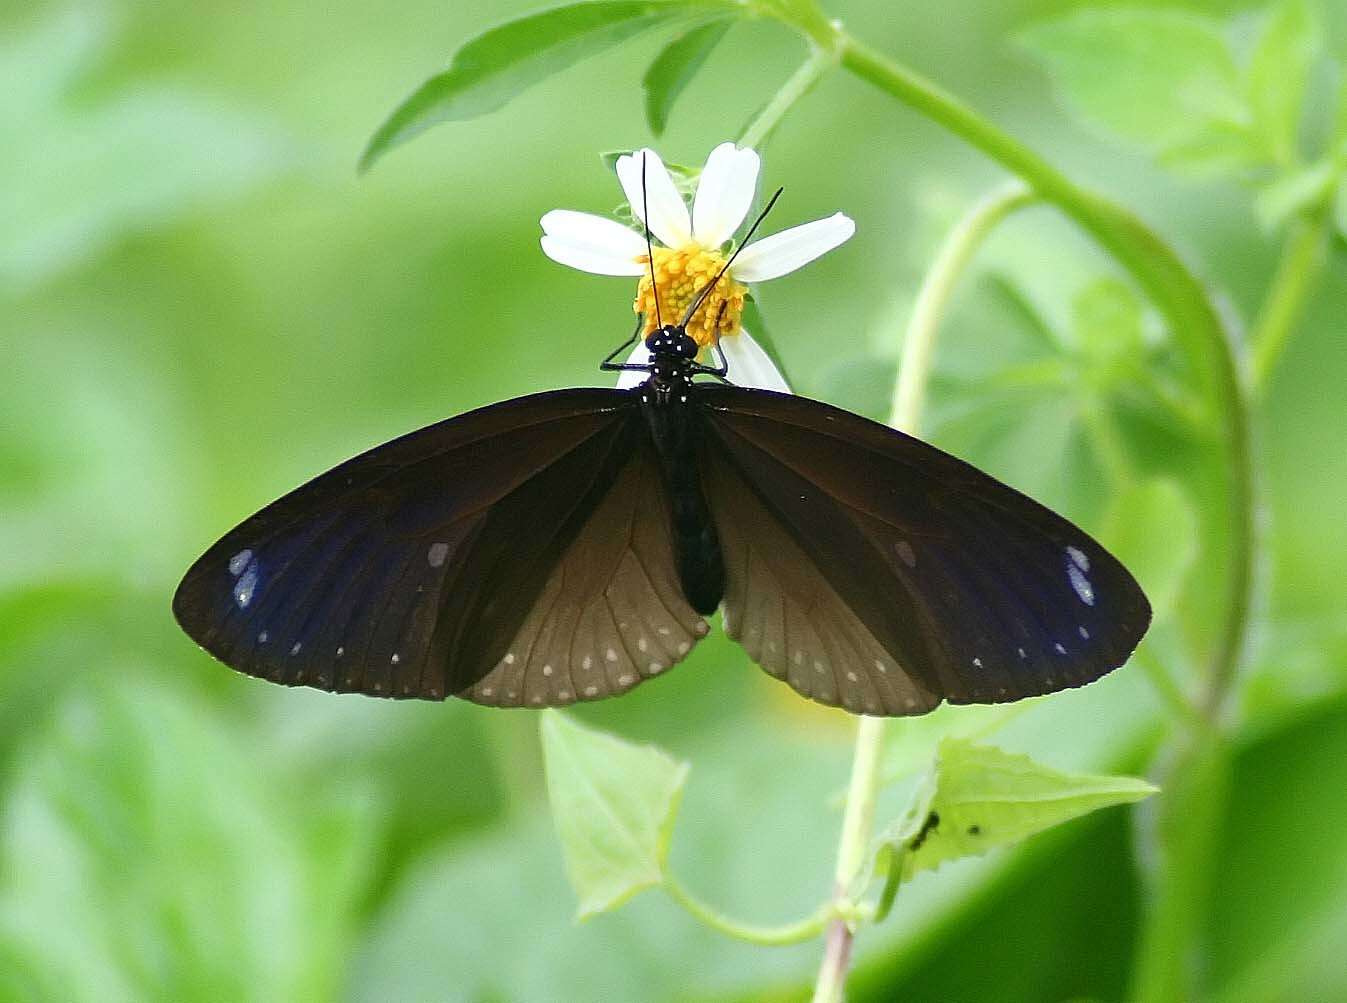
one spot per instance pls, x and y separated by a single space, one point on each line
570 545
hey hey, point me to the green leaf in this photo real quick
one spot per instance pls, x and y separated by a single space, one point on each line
1279 70
1164 80
85 166
674 68
977 797
488 71
148 853
614 805
1301 190
1153 529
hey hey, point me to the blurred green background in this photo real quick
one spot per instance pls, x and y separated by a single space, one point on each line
202 305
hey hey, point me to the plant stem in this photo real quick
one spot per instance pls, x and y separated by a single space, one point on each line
909 391
768 936
819 62
1193 320
1302 260
909 394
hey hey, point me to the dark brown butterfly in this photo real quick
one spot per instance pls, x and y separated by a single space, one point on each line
566 546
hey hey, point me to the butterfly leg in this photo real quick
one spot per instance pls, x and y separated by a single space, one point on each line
720 371
609 366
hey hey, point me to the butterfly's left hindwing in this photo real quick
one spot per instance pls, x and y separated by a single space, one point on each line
872 571
411 570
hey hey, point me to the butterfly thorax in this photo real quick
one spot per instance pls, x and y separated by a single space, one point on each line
673 355
676 430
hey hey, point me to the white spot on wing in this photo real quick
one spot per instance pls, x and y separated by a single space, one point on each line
905 553
1083 589
1083 632
1078 558
294 648
240 561
547 670
611 655
246 586
436 554
591 691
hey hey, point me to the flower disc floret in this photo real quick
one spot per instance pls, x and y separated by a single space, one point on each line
681 274
687 252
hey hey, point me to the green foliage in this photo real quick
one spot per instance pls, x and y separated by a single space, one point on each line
178 365
1152 528
1170 82
977 798
487 72
1279 71
614 804
674 68
1163 79
78 173
144 858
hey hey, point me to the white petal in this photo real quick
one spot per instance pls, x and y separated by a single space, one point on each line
592 243
668 216
724 194
791 249
749 365
629 378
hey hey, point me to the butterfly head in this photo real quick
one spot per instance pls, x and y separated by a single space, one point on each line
672 340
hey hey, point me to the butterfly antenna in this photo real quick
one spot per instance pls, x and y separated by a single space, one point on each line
649 249
706 289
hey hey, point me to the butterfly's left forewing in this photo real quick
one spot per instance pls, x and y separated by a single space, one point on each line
426 566
899 574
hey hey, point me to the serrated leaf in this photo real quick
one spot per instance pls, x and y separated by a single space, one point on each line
614 805
488 71
978 797
674 68
1164 80
1153 529
1279 71
1300 190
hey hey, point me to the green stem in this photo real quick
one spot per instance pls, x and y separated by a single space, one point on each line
800 83
1193 319
1302 260
909 395
768 936
909 392
1096 416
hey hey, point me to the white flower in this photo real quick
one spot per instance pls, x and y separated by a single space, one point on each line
691 252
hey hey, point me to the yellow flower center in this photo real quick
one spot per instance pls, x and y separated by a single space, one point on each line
680 275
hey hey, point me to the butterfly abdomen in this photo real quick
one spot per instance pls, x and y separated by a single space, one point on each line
701 568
